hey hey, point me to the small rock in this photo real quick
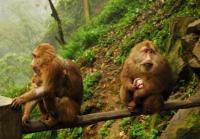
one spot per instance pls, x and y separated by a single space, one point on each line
194 63
194 27
190 40
196 50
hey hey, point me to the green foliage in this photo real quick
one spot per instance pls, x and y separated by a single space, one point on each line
141 33
138 130
113 11
40 135
89 57
88 82
190 8
125 122
86 37
74 133
120 59
14 74
103 132
160 37
116 14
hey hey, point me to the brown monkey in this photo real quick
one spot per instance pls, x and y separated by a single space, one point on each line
28 107
61 88
146 79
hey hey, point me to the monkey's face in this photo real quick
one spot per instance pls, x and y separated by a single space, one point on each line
36 62
42 56
146 58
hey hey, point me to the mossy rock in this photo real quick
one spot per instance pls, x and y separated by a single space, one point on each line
189 133
183 120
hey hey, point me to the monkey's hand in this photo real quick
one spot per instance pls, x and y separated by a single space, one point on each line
130 87
26 120
17 102
43 117
138 83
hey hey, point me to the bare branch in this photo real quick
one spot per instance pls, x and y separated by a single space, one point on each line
36 126
55 15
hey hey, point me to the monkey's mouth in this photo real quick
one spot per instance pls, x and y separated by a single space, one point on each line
147 66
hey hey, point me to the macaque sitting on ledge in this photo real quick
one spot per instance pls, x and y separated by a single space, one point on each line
56 87
146 79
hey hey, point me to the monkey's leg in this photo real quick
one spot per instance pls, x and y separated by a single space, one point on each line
152 104
125 95
127 98
43 110
27 111
51 116
68 109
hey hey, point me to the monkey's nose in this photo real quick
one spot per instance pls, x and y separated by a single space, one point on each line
148 66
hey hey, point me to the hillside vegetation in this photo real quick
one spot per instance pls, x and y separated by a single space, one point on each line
100 48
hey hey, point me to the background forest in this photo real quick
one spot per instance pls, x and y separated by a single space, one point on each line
98 39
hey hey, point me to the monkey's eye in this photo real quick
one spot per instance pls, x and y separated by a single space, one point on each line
34 55
146 50
151 51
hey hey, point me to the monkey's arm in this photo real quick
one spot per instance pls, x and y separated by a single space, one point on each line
126 79
33 94
27 111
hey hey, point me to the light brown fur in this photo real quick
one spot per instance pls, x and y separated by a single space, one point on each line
146 63
57 89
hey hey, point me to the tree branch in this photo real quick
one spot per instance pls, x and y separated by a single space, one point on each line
36 126
55 15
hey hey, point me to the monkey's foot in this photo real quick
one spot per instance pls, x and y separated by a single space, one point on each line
25 120
131 106
50 122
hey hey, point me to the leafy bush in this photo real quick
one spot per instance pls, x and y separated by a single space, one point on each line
138 131
88 57
85 38
103 132
88 82
91 34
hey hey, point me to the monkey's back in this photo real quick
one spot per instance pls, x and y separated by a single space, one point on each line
75 86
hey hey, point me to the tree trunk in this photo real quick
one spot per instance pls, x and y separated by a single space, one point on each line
86 11
55 15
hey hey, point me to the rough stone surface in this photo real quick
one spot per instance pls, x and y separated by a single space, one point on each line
183 122
196 50
189 40
179 121
189 133
194 27
194 63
